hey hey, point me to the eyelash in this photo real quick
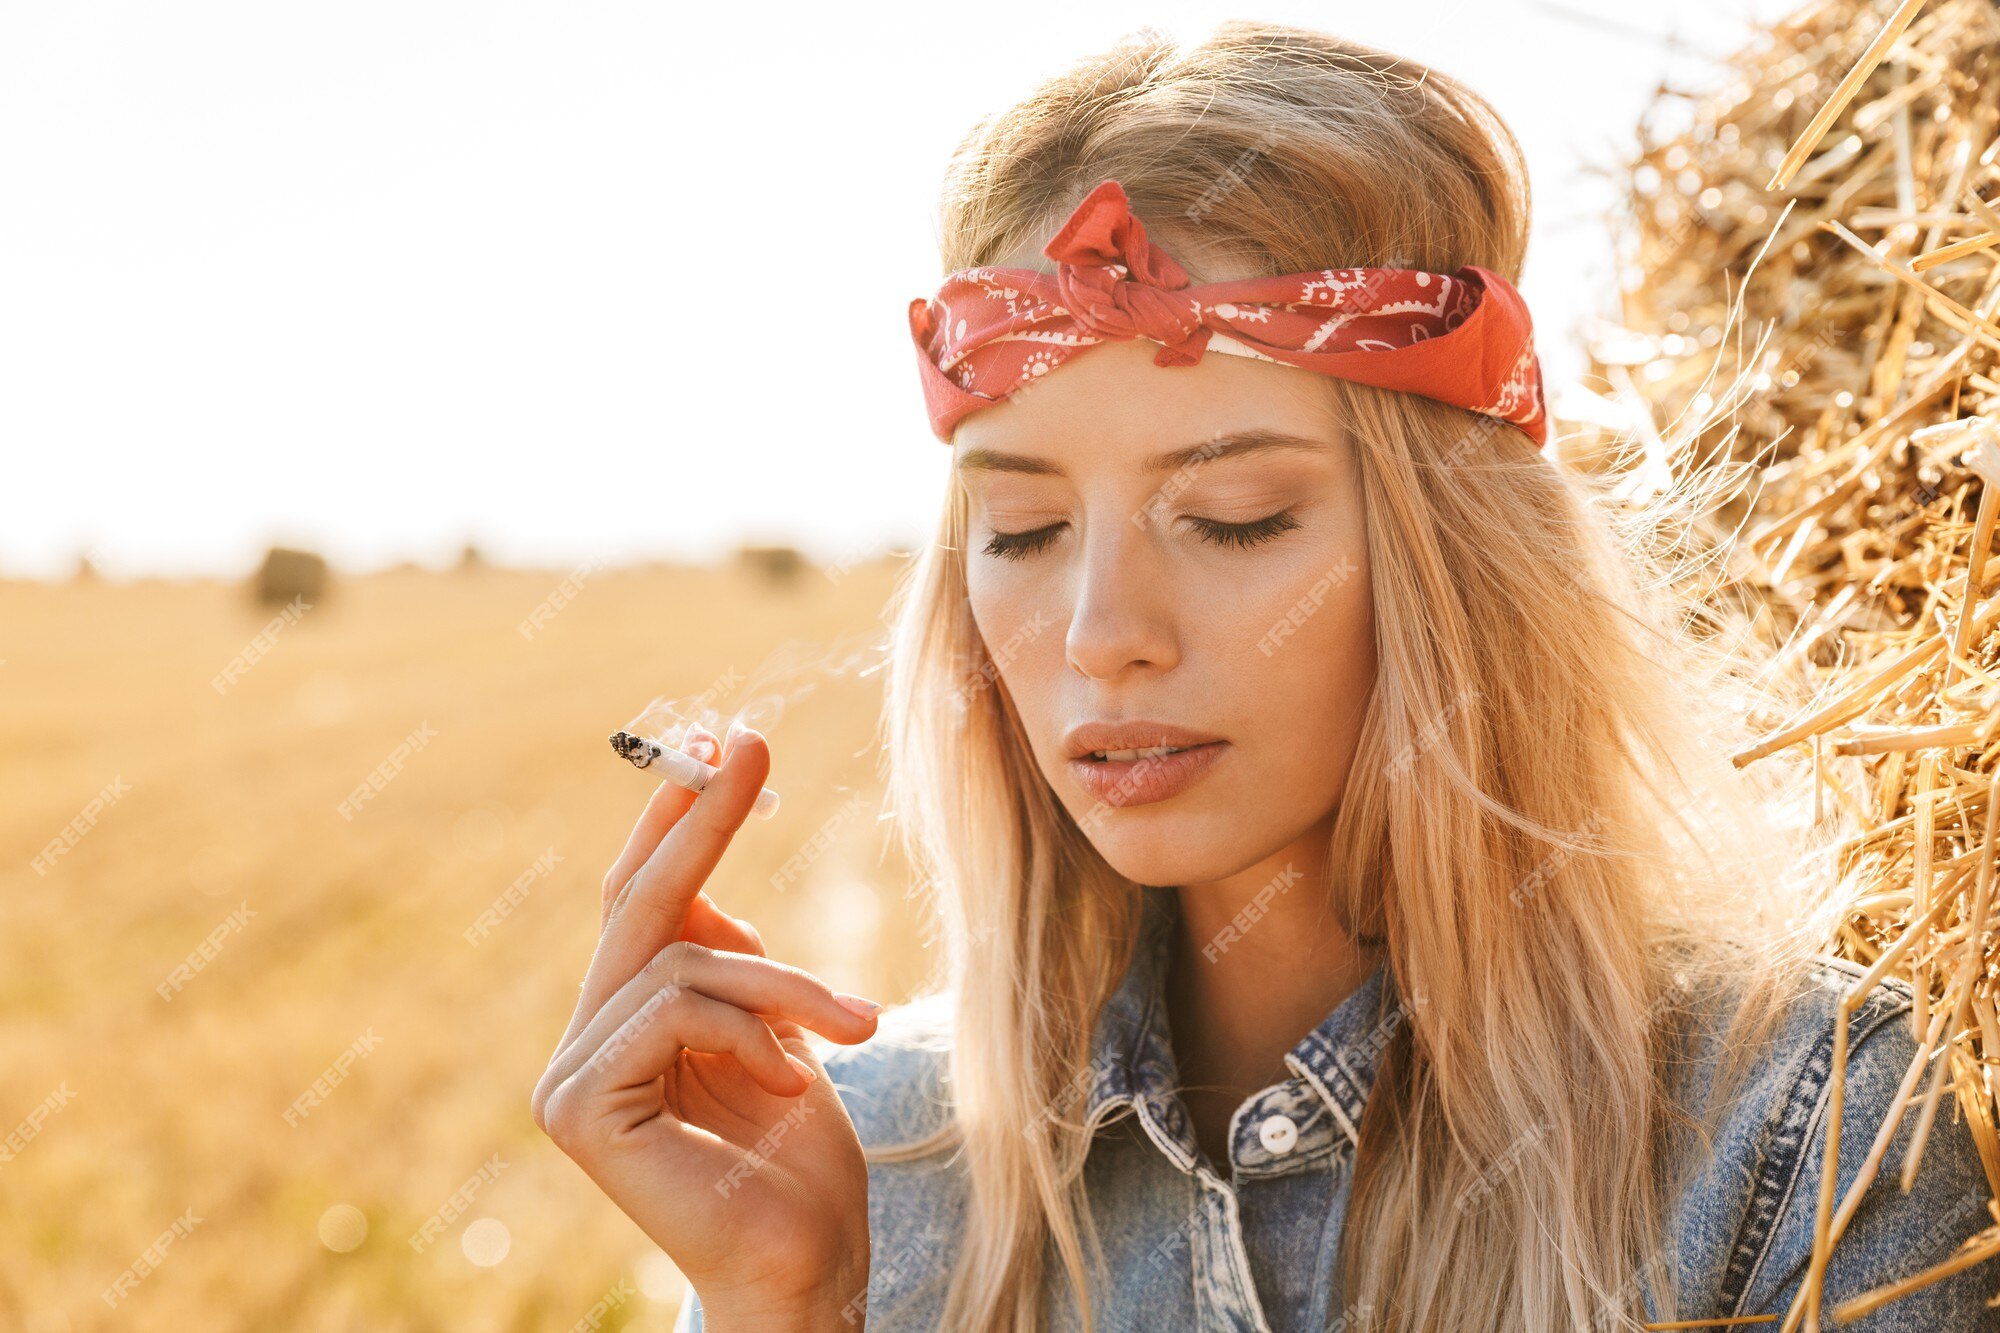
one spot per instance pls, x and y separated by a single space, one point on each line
1020 545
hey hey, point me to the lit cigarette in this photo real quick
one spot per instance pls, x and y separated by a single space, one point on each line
663 760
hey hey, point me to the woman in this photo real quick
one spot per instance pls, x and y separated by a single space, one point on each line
1350 919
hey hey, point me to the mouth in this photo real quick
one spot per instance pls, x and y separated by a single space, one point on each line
1115 742
1145 773
1151 752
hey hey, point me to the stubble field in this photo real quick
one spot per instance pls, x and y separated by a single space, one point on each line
285 955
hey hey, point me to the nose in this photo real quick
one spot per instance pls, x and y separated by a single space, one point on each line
1121 618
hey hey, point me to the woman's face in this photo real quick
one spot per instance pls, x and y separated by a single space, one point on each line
1180 546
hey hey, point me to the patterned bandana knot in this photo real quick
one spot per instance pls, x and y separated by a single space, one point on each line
1116 285
1113 307
1462 337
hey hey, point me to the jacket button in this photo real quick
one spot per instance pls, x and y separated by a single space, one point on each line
1278 1134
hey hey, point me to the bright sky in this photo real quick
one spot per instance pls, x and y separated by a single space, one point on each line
381 278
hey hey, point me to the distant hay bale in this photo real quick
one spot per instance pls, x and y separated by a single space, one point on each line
287 573
779 565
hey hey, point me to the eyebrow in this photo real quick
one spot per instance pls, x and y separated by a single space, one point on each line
1227 445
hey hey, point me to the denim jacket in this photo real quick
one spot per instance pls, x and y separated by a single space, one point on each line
1190 1249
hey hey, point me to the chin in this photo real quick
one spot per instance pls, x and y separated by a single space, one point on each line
1159 845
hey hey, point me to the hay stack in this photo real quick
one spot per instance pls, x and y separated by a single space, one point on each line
1811 278
778 566
286 574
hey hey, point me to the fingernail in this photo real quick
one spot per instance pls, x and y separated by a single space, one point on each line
856 1005
801 1066
736 728
700 743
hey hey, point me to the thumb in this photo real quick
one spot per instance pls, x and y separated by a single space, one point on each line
713 928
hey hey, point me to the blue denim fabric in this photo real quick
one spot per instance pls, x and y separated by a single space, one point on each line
1190 1249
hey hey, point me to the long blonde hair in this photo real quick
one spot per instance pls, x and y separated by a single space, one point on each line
1541 828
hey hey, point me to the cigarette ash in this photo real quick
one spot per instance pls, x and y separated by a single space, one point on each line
636 750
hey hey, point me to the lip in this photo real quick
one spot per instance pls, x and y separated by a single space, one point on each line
1145 780
1083 740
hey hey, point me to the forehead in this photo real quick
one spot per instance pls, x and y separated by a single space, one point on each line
1110 404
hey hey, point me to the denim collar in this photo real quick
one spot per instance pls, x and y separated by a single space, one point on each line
1132 1059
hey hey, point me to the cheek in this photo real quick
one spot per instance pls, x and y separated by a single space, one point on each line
994 600
1302 654
1021 620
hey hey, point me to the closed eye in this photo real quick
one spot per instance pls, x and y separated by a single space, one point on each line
1245 534
1020 545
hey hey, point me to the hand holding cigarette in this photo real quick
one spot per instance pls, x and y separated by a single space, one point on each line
657 757
687 1057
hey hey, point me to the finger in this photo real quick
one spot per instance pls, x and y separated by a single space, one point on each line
583 1064
665 885
707 925
710 925
711 751
668 803
680 1019
770 990
654 906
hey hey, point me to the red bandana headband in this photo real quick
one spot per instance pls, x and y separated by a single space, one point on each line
1462 337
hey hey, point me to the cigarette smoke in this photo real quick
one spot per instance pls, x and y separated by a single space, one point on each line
793 670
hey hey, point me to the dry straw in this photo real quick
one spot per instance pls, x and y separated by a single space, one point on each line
1834 187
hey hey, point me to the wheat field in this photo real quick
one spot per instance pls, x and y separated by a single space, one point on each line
295 905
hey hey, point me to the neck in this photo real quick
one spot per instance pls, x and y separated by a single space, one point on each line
1257 961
